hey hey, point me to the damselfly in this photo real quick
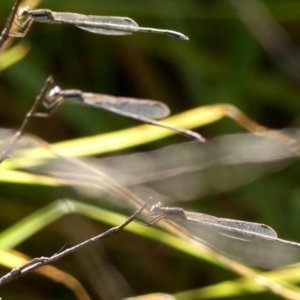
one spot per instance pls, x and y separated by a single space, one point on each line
142 110
255 243
107 25
234 226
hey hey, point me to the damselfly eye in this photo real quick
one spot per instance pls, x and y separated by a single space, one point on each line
54 91
155 209
24 12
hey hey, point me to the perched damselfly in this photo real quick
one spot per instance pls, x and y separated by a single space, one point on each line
142 110
255 243
234 226
108 25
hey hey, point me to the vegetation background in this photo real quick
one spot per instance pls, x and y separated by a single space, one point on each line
221 63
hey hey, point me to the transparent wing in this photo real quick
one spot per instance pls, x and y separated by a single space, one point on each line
191 170
110 25
253 249
142 107
230 225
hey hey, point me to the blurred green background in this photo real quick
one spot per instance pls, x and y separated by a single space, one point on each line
221 63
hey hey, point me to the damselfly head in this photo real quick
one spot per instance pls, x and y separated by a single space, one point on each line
24 11
155 209
54 91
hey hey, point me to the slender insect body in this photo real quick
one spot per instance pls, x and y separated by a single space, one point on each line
243 227
143 110
256 244
107 25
